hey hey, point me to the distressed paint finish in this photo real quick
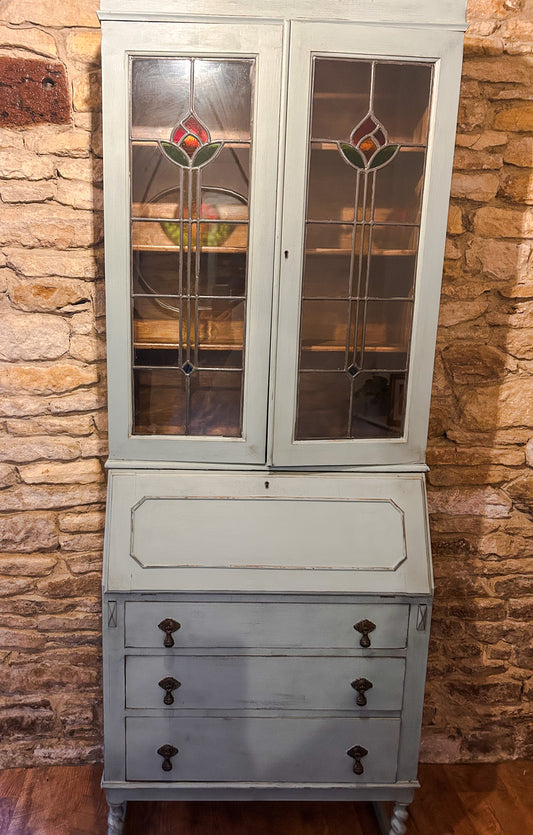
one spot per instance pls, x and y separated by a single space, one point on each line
298 607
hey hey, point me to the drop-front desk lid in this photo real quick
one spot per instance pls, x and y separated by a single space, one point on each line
241 531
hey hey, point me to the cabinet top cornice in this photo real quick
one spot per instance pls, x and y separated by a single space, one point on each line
448 13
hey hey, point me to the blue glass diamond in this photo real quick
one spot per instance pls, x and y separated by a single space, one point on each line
187 367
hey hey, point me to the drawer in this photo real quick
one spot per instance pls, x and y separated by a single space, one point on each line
295 625
233 682
288 749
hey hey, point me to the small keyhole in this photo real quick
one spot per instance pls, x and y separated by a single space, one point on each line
286 253
267 484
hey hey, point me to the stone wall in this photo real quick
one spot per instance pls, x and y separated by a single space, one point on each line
53 422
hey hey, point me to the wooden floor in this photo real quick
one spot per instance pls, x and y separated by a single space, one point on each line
454 800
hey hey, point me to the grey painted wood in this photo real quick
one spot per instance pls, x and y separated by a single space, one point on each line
402 12
258 791
227 551
290 749
288 683
267 625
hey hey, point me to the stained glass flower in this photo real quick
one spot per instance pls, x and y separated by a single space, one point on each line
190 144
369 147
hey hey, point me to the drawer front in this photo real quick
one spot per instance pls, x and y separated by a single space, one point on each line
295 625
211 682
289 749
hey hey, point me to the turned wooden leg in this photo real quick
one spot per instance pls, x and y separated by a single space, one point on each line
397 821
115 819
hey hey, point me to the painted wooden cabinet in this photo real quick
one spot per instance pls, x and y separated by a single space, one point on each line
276 191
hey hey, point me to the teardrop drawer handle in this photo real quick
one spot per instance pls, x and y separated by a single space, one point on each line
357 752
169 684
168 626
167 751
364 627
361 685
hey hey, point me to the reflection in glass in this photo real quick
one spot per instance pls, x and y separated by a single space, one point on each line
190 182
160 401
216 403
366 171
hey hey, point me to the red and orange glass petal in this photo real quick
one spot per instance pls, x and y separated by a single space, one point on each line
190 145
368 147
195 126
363 128
380 137
178 133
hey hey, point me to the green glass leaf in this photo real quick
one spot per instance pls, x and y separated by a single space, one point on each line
174 154
383 156
352 155
206 153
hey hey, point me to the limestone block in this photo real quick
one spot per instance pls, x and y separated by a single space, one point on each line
90 521
493 222
52 425
43 13
23 450
481 141
53 294
27 191
87 348
87 91
51 496
470 501
481 9
27 565
450 476
36 225
28 532
516 118
64 585
79 195
88 170
455 220
506 68
20 164
81 541
76 472
468 363
520 152
60 140
45 379
499 259
518 186
467 159
81 401
42 262
507 405
26 717
481 187
517 36
8 476
38 336
84 46
452 313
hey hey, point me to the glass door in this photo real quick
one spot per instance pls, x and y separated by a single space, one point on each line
356 267
200 222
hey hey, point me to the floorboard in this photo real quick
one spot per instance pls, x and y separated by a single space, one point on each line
484 799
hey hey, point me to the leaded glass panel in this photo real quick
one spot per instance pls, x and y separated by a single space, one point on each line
367 156
190 171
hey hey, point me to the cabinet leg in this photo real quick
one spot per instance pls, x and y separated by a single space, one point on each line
115 819
398 819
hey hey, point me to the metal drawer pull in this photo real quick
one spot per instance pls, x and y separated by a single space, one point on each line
167 751
361 685
169 684
364 627
357 752
168 626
